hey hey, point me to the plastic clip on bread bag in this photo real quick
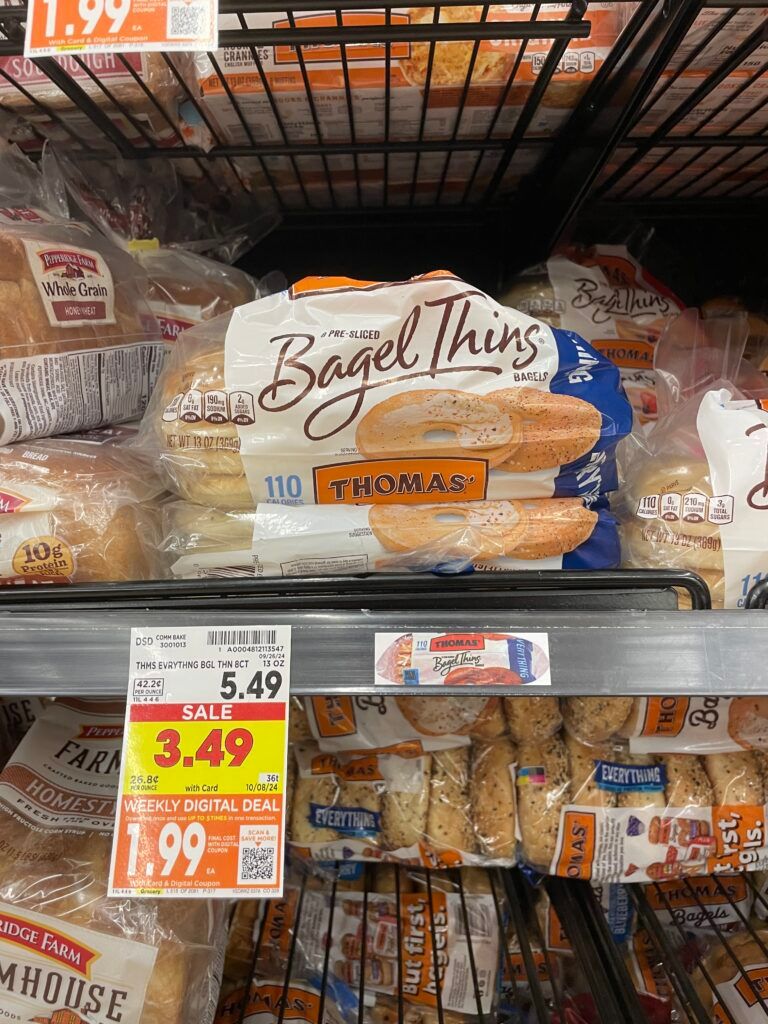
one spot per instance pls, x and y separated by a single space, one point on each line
612 301
604 814
339 392
695 488
76 511
139 206
80 347
63 943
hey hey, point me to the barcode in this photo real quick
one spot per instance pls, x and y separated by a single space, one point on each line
187 20
257 864
241 637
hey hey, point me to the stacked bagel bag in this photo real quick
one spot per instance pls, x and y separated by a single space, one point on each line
344 427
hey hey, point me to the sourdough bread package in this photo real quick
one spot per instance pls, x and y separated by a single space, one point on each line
26 90
76 510
437 809
312 540
604 814
68 951
605 295
340 391
695 487
80 347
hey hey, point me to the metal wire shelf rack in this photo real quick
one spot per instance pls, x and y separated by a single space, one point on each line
583 972
523 119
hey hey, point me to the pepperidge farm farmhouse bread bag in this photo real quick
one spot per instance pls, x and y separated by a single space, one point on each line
64 945
338 391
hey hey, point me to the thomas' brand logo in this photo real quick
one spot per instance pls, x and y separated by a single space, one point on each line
404 481
10 502
48 943
72 261
458 642
359 769
442 327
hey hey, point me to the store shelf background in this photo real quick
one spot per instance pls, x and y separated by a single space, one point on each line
521 190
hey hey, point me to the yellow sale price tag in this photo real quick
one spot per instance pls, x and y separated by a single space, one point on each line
108 26
201 808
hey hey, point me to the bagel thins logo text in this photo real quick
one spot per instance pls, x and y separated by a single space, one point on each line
406 481
75 285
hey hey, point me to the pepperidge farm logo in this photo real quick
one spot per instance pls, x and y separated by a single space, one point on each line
75 284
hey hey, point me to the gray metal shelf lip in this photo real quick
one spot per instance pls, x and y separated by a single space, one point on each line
636 653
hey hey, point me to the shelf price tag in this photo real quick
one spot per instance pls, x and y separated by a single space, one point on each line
203 777
109 26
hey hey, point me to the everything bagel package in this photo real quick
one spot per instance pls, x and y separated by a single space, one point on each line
696 487
536 533
438 809
63 941
612 301
346 392
602 813
686 725
345 724
75 510
80 347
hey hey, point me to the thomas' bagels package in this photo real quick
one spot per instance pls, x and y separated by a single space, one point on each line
338 391
69 953
611 300
695 495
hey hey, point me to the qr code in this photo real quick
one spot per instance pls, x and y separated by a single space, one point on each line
257 864
188 20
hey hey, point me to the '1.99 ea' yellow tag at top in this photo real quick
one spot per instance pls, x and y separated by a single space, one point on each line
202 784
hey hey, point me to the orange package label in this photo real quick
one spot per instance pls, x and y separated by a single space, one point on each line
578 832
740 835
334 716
401 481
664 716
637 355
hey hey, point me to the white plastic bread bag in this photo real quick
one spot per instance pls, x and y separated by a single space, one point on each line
339 391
